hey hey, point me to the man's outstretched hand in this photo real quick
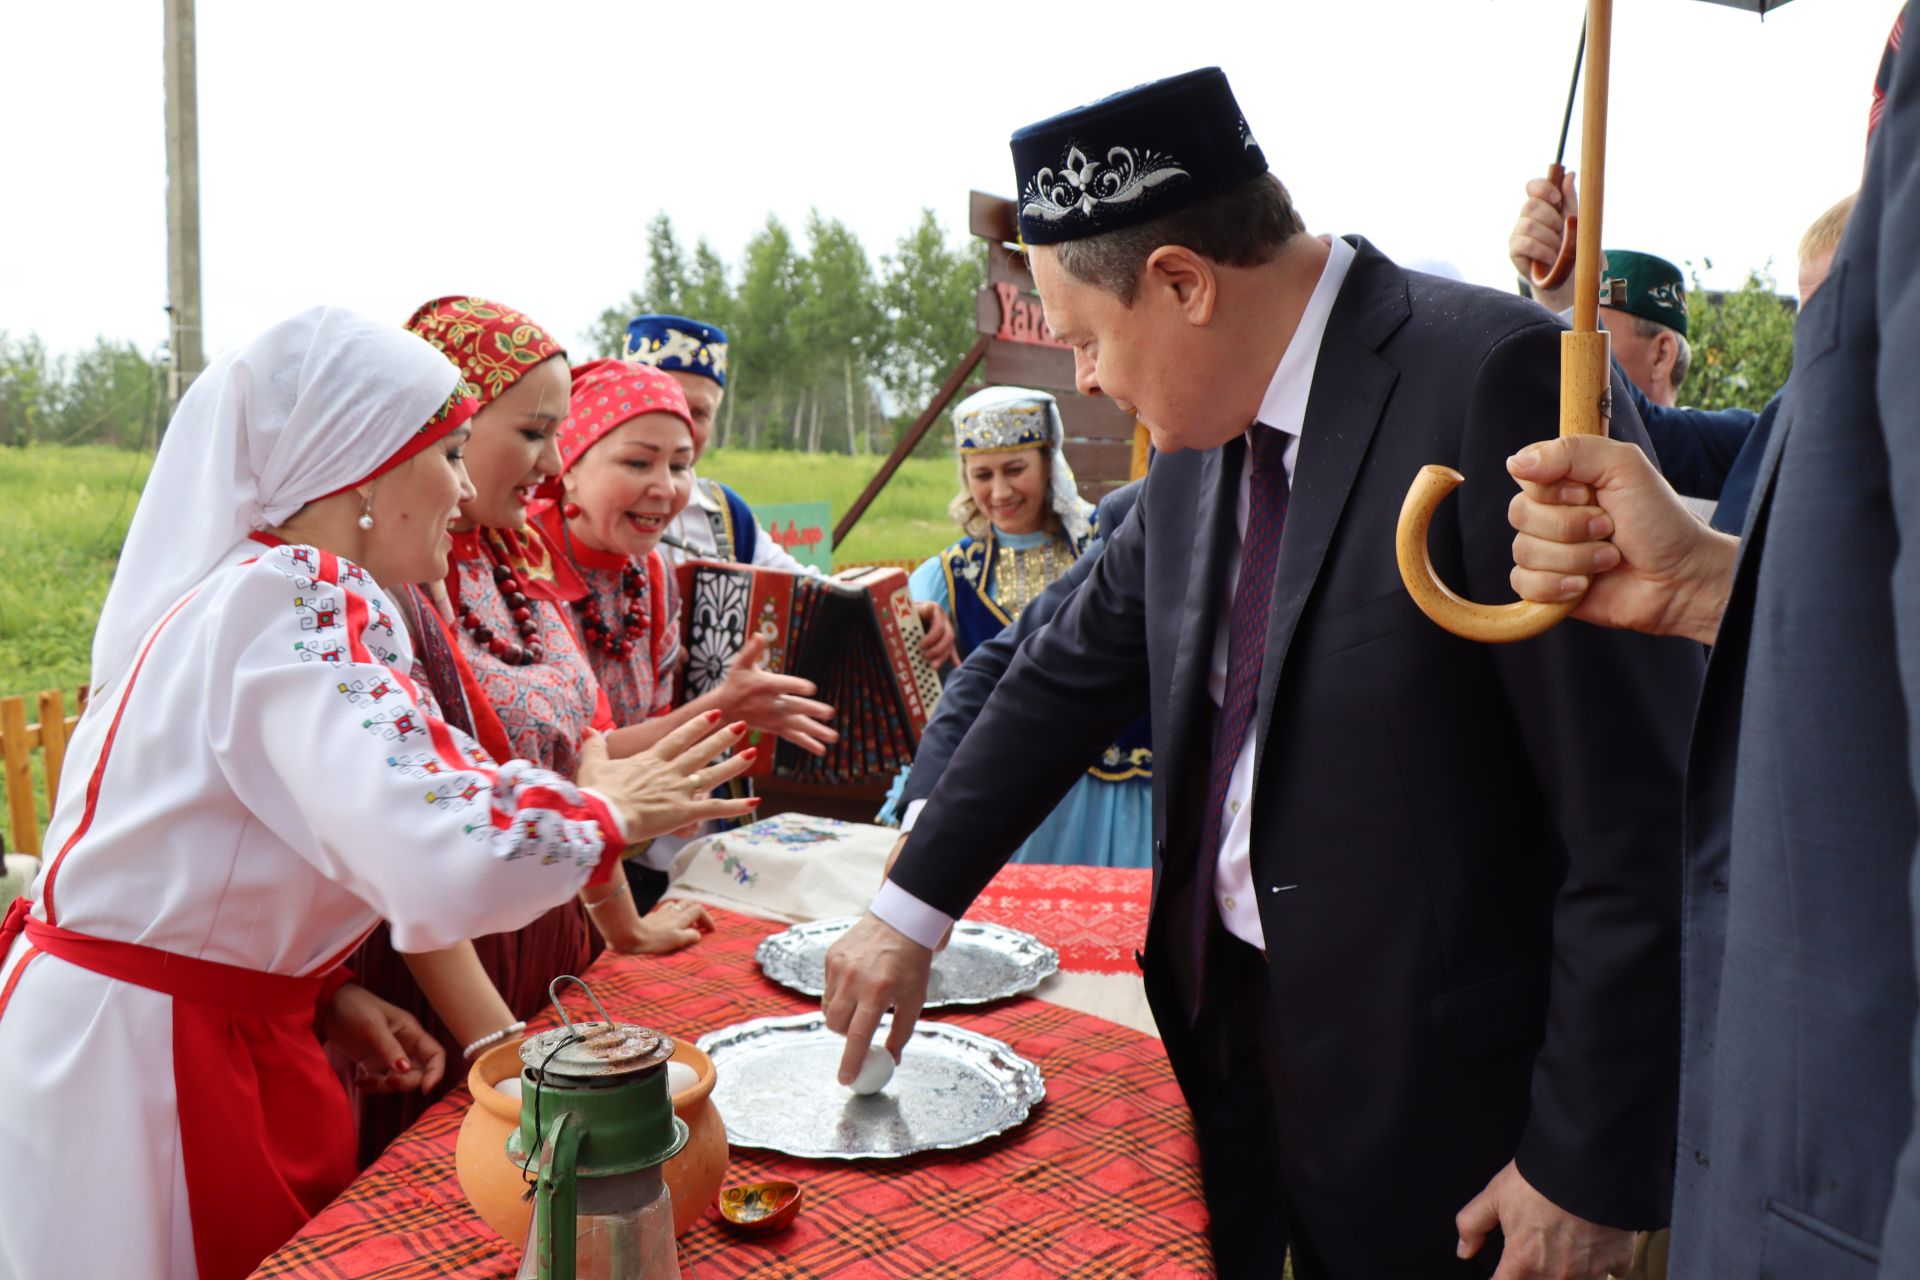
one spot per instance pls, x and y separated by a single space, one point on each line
873 968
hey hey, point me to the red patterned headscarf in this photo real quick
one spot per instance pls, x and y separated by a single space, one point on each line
607 393
493 346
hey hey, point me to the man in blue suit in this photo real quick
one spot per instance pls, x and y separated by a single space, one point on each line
1797 1151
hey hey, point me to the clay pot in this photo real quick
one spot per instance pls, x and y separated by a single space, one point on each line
495 1186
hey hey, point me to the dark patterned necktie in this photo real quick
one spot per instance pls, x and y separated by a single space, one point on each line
1246 646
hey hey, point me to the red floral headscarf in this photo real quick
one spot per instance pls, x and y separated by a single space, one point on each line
607 393
493 346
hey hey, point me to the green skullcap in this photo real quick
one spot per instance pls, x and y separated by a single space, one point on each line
1655 289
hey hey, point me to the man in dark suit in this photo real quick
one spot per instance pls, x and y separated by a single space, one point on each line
1797 1149
1413 942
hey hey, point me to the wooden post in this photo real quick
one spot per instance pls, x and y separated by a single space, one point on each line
183 202
1142 449
53 740
955 379
15 753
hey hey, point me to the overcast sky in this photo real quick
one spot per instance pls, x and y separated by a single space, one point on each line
375 154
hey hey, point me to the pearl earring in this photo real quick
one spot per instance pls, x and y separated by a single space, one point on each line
366 514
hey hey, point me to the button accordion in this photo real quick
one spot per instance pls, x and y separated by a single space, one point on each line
855 635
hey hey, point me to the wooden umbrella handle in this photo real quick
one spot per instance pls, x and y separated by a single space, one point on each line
1556 275
1586 409
1586 397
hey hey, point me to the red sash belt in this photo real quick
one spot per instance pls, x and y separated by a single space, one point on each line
265 1131
227 986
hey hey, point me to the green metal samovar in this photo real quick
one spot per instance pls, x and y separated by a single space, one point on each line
596 1124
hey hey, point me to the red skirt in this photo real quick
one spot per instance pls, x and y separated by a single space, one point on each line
521 965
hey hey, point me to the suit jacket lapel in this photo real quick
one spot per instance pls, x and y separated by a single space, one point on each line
1351 382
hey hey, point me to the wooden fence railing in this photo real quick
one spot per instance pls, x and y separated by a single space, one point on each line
18 741
908 565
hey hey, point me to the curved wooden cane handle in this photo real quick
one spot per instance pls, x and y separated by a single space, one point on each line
1585 410
1556 275
1487 623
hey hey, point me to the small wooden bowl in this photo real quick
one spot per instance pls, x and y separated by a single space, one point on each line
760 1206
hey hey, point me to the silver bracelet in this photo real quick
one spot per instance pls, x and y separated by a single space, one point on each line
626 886
492 1038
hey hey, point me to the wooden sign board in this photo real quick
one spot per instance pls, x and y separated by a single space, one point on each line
804 530
1103 444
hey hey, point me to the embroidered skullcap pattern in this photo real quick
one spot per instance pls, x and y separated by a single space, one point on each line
492 345
607 393
1131 157
675 342
1655 289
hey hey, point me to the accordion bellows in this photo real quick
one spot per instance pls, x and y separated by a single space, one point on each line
855 635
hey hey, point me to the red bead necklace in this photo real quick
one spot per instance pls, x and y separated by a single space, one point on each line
513 590
594 626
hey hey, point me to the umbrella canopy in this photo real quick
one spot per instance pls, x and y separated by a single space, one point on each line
1751 6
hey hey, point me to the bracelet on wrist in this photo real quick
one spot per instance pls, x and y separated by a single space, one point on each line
626 886
491 1039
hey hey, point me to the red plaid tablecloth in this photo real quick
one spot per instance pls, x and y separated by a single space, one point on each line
1102 1181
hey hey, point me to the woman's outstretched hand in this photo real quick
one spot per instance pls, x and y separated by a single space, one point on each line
666 786
780 705
668 927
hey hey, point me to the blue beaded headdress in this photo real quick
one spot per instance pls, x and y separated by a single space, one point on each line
1002 419
675 342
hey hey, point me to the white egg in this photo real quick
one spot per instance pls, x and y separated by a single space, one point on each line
681 1077
874 1072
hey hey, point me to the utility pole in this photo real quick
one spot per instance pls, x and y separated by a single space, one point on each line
183 204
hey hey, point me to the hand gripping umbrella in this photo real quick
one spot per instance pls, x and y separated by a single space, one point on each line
1586 357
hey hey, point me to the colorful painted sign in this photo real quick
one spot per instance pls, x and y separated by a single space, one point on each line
804 530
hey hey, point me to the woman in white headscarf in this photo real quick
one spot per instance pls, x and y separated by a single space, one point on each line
255 783
1023 522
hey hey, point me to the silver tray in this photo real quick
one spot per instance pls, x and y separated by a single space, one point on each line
983 963
778 1088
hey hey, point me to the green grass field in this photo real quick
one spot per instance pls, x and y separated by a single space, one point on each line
64 513
908 519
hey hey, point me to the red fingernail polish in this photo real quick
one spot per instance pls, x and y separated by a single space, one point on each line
400 1064
750 753
740 729
713 717
754 802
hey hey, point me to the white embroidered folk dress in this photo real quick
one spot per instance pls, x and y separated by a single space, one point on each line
271 788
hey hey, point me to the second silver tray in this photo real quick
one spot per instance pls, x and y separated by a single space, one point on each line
777 1088
983 963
